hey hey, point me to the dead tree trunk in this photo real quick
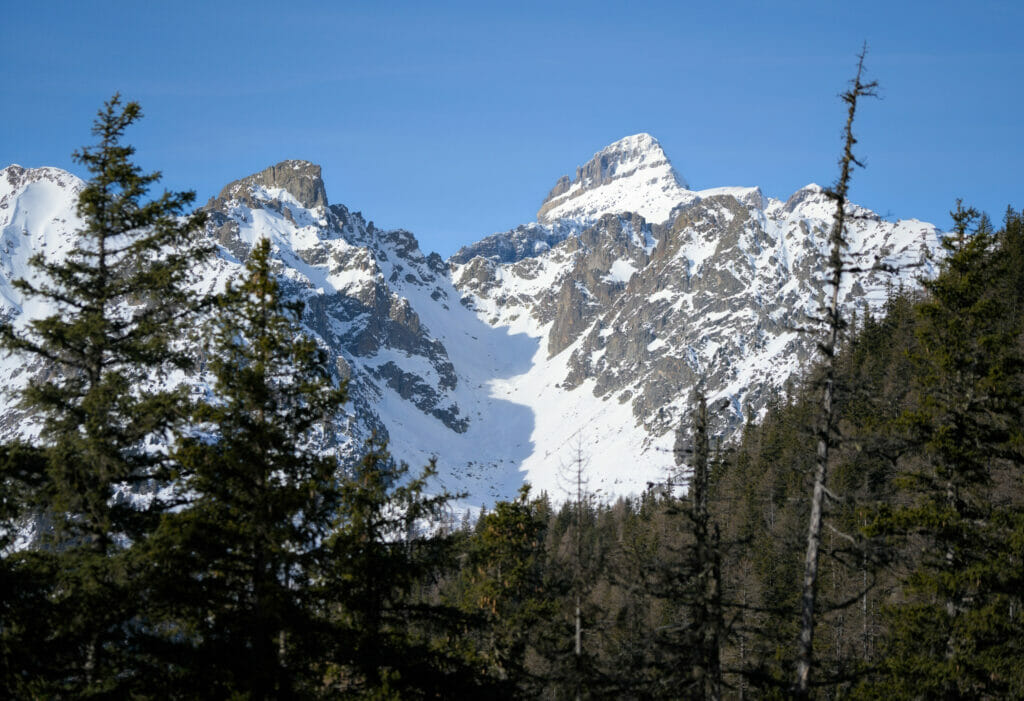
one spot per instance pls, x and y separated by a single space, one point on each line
834 322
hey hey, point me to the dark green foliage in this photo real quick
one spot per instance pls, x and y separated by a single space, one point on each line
289 575
503 580
956 628
928 461
277 573
759 498
882 627
261 500
391 636
705 633
121 299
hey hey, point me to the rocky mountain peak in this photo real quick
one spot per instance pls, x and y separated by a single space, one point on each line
300 179
624 158
12 175
632 174
15 177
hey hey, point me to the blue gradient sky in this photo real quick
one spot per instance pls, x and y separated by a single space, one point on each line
454 119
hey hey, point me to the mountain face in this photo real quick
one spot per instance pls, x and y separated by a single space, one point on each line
576 337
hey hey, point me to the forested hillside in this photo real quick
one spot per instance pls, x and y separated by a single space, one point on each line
921 578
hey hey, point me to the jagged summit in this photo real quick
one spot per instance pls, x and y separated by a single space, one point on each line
300 179
632 174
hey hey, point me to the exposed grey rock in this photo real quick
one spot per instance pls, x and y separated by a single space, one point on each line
522 242
715 297
301 179
590 286
560 188
365 319
424 396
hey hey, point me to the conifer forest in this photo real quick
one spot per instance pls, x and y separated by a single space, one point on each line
863 540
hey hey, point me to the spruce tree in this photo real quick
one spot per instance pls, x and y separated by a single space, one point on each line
684 575
957 631
707 626
504 581
119 300
25 577
262 495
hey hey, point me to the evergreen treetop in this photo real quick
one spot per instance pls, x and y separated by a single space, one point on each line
262 496
118 301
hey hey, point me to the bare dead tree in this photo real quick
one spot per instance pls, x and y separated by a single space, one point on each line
834 326
578 487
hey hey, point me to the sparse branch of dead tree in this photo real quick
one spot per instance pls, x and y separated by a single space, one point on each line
834 326
578 486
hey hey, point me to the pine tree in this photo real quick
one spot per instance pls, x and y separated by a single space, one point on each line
262 496
120 299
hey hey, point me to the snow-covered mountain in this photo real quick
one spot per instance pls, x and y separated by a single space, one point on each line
578 335
631 175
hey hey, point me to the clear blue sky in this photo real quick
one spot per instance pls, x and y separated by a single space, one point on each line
453 120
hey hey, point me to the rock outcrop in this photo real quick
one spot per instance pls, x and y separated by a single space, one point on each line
300 179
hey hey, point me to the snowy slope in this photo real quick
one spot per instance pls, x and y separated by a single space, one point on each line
387 313
37 213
